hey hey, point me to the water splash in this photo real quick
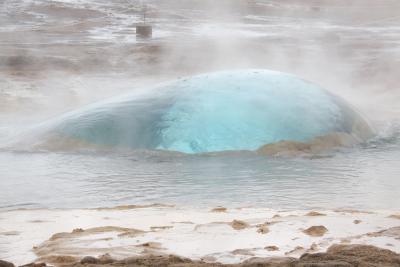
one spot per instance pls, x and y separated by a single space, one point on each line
230 110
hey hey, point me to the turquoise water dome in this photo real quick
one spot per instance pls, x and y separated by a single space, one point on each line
221 111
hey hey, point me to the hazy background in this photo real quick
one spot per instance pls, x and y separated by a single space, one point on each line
59 55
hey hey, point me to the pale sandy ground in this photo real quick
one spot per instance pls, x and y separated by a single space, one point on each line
227 236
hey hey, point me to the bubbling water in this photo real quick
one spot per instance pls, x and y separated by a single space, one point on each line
221 111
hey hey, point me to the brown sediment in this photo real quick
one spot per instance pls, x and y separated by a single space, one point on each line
239 225
219 209
315 213
317 145
199 226
57 250
59 259
35 264
353 211
89 260
155 260
271 248
9 233
151 245
235 224
37 221
160 228
184 222
6 264
101 260
262 229
395 216
316 231
353 255
390 232
393 232
80 232
209 258
345 241
271 222
57 142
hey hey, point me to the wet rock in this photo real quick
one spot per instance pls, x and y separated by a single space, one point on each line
239 225
269 262
105 259
6 264
351 255
336 256
316 231
35 264
155 260
101 260
89 260
57 259
315 213
327 263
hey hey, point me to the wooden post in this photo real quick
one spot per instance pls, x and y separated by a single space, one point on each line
144 31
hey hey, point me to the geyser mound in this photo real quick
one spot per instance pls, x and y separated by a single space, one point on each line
222 111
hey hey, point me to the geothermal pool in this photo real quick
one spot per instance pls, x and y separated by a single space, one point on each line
159 147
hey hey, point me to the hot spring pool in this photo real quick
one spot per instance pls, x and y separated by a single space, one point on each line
60 165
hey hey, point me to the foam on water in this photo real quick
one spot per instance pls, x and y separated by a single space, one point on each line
231 110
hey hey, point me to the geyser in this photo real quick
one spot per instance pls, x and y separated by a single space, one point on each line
230 110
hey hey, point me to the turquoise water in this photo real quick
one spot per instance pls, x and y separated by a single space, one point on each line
231 110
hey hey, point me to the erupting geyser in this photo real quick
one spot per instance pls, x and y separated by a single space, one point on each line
231 110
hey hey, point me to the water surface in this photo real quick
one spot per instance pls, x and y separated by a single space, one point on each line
364 177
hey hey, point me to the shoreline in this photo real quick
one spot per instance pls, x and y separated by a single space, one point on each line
337 255
217 235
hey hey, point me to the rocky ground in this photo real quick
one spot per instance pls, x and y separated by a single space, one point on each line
336 256
219 235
